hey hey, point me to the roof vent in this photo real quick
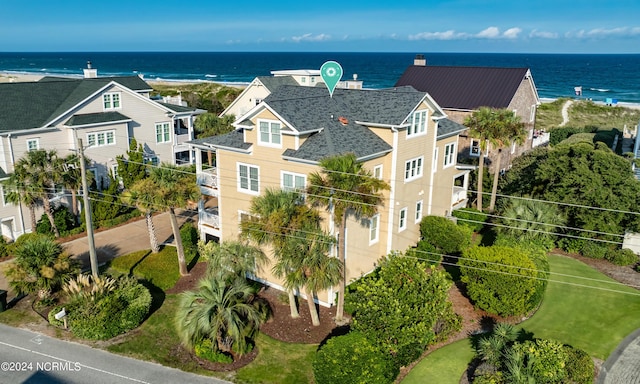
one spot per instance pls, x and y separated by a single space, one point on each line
343 120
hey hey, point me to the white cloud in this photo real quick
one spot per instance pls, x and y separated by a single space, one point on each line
542 34
311 37
603 33
512 33
489 33
446 35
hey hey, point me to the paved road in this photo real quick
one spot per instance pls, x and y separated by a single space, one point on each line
28 357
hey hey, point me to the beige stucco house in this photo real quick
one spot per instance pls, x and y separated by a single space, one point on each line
400 134
462 90
104 112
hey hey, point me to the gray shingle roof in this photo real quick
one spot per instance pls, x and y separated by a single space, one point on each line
273 82
177 108
466 88
33 104
232 140
96 118
448 128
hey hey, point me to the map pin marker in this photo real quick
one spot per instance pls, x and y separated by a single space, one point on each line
331 73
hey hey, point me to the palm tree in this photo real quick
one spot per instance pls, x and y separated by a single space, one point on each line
142 195
345 187
498 127
274 216
174 187
19 189
71 179
222 310
41 266
42 170
531 219
232 257
309 265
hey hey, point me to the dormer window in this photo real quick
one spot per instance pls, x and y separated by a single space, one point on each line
269 134
418 124
111 101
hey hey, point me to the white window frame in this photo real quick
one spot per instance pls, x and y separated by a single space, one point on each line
474 150
37 144
532 115
413 168
419 209
112 101
248 189
107 137
377 171
374 230
270 125
402 219
163 130
294 178
418 125
434 165
513 147
449 157
3 192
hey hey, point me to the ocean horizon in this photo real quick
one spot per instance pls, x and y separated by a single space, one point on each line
603 77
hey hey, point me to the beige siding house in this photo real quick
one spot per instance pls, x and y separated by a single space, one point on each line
397 134
462 90
104 112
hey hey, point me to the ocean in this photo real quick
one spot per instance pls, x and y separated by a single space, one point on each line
601 76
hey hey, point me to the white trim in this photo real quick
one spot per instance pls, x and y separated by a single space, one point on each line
105 135
37 141
375 218
402 219
424 116
247 190
270 124
295 175
449 161
162 124
378 169
418 218
392 191
477 151
415 170
111 96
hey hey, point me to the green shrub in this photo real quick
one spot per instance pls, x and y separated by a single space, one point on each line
489 378
62 217
353 359
594 250
500 280
580 368
546 358
206 350
425 251
4 247
189 235
571 245
470 217
101 318
444 234
622 257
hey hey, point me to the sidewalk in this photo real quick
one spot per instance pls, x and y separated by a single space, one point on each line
115 242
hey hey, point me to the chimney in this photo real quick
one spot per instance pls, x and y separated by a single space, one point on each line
420 60
89 72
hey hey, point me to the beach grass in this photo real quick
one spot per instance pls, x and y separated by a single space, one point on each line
584 113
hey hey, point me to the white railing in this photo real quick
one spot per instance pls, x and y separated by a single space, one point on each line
459 194
208 178
209 217
540 139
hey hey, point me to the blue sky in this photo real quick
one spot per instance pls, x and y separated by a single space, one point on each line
541 26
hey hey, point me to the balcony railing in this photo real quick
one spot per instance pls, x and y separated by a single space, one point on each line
209 217
540 138
459 195
207 180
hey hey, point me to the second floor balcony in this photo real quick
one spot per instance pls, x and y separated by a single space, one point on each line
207 180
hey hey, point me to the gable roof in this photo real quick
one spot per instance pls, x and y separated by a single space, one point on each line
465 88
273 82
95 118
30 105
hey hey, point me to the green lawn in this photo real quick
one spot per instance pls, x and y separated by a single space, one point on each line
594 315
160 269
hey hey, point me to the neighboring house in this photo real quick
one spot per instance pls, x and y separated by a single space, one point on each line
262 86
105 113
462 90
401 135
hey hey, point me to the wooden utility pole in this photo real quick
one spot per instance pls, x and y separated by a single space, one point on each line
93 258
